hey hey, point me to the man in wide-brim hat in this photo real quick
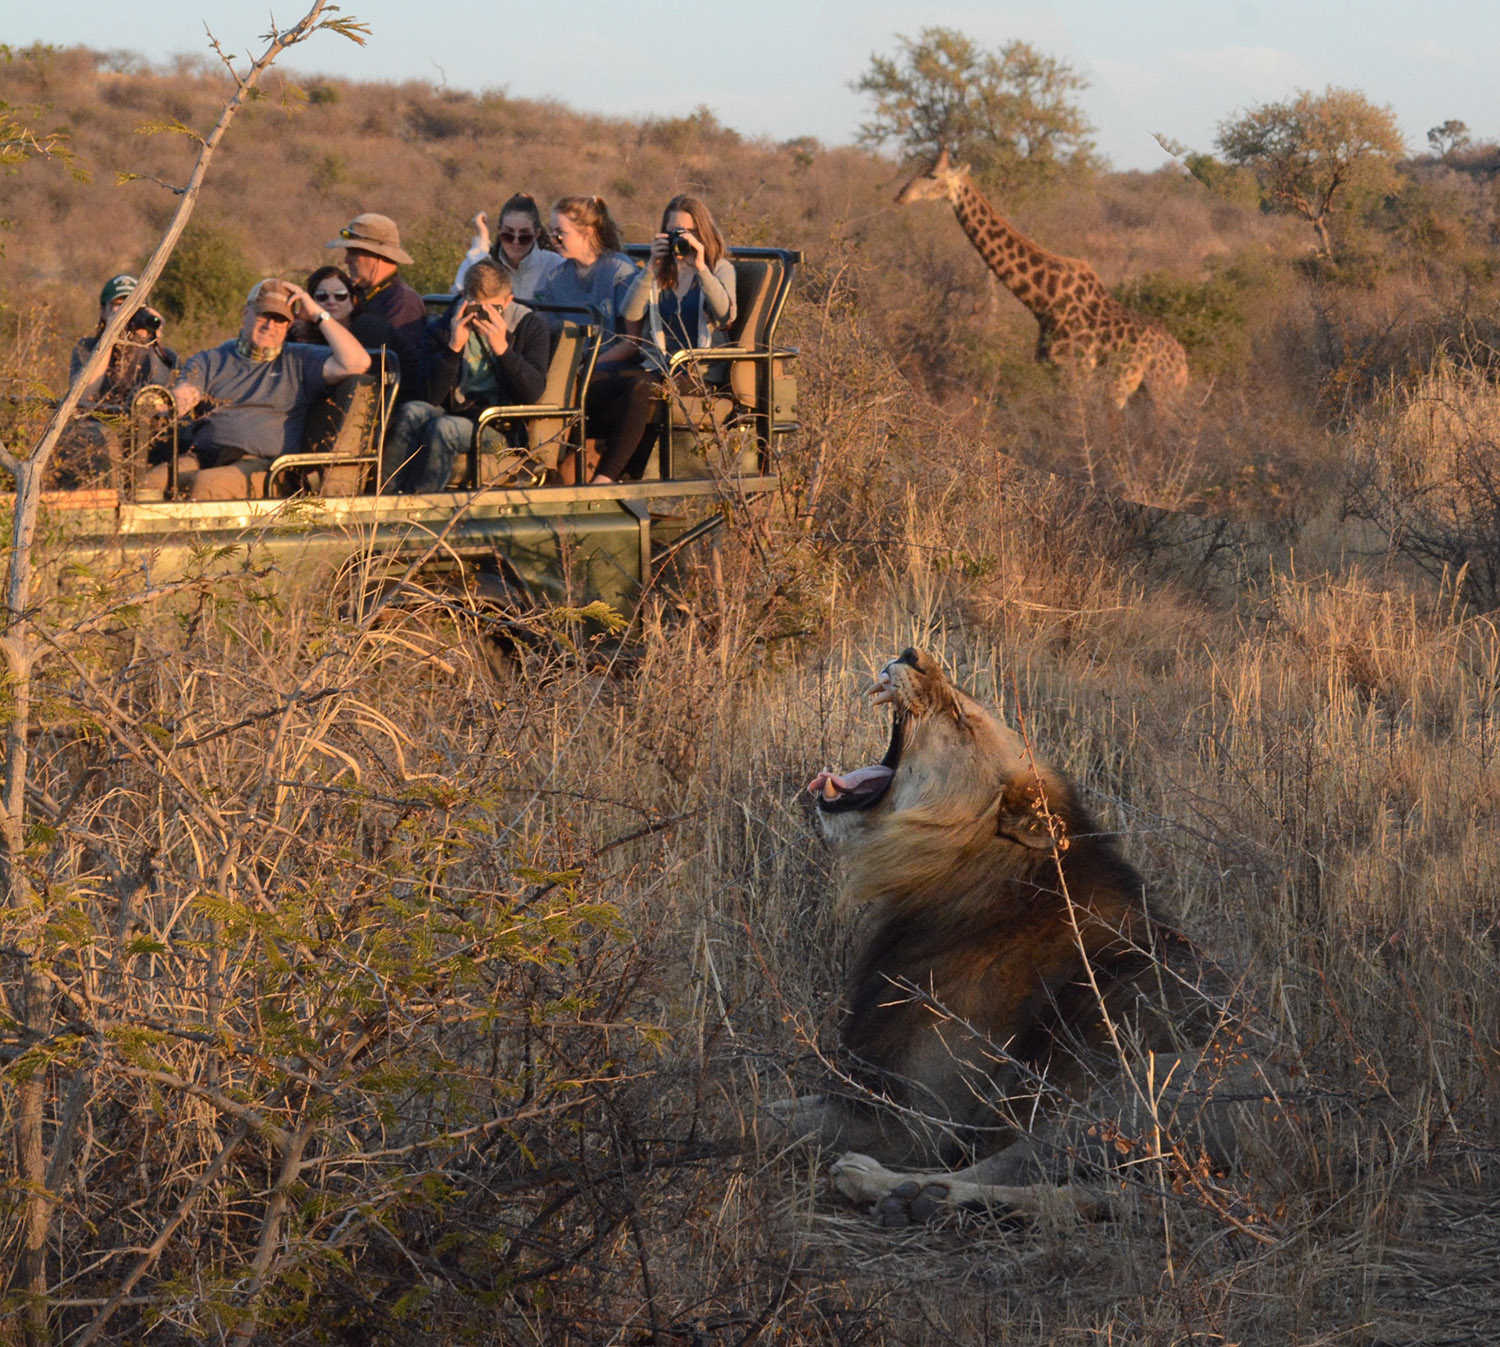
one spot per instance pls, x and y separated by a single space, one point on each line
372 256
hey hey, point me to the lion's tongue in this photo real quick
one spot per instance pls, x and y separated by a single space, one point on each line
863 781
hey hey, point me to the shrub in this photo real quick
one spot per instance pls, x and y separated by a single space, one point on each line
699 130
207 278
1235 185
1425 473
1208 317
436 247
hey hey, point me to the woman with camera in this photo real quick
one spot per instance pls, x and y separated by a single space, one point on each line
686 293
487 351
521 243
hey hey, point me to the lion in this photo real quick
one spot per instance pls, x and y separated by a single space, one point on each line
1017 1001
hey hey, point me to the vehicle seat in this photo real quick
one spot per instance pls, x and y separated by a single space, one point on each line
341 442
553 424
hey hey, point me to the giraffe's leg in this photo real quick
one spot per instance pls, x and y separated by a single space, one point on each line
1165 369
1127 379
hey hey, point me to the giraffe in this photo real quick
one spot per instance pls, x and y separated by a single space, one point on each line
1080 323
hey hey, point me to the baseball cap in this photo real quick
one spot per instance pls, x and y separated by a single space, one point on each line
271 296
117 287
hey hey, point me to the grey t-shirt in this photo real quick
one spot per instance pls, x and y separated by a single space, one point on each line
256 408
604 286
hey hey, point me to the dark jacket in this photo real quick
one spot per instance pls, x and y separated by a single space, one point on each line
520 370
132 366
403 308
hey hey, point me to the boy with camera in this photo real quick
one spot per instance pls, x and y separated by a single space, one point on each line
486 351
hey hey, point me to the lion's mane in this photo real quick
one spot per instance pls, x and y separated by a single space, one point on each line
1001 926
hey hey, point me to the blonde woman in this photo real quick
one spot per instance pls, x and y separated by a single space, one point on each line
595 273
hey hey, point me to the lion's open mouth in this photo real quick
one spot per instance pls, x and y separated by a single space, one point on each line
864 786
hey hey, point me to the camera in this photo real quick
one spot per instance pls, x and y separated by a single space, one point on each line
677 243
144 320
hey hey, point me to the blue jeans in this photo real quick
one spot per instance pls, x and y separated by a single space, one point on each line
421 446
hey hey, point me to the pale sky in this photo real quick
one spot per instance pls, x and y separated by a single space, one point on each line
782 68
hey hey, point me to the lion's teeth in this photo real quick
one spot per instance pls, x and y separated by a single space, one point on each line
830 790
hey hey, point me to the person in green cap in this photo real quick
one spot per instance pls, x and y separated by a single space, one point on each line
91 444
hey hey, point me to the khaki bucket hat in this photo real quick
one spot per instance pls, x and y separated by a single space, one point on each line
372 234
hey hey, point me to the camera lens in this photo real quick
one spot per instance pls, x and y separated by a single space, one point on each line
678 244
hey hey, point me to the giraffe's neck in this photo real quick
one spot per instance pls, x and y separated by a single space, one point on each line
1021 266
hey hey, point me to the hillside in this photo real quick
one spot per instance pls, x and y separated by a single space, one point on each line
298 168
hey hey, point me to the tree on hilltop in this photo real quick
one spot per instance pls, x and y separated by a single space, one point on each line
1314 153
1451 136
1010 113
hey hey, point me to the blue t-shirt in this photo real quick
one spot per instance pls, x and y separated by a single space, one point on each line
256 407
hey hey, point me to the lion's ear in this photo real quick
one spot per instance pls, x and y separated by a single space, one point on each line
1022 817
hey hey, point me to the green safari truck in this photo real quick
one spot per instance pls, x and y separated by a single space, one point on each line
506 529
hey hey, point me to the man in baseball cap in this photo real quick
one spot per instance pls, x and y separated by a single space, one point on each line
257 389
372 256
117 287
139 359
272 297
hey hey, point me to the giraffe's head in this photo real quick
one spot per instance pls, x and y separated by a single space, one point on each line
938 183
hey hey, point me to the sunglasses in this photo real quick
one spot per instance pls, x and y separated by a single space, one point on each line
510 236
331 296
274 318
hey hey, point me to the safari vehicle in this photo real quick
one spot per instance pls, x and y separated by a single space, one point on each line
501 529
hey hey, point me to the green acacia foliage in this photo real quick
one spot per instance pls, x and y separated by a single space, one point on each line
1010 113
207 278
1314 154
1210 317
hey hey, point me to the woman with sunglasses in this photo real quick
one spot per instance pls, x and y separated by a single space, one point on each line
332 288
522 244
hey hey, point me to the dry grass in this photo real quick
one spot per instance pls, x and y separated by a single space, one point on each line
1309 783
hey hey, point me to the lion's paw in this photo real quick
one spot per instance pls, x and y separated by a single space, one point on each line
897 1199
788 1120
783 1112
861 1179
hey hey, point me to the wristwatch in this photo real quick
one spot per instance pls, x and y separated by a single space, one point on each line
321 317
